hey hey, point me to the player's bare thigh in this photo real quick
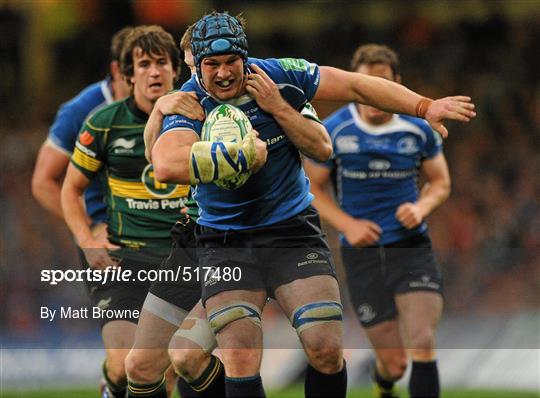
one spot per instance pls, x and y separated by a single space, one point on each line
385 337
322 341
419 314
118 337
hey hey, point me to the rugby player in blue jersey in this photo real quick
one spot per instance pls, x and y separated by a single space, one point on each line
54 155
169 304
393 277
272 210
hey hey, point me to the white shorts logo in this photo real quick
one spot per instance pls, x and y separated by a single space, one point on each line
425 282
211 276
312 258
104 303
366 313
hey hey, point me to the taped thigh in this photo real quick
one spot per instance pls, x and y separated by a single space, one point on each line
221 317
165 310
198 331
316 313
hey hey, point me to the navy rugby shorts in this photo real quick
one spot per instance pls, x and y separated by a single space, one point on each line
376 274
121 297
263 258
181 285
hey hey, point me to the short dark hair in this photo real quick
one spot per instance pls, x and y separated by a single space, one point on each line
370 54
117 42
152 39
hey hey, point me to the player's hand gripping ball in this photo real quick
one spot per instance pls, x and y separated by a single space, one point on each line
227 123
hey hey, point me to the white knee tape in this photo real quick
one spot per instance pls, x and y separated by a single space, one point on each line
198 331
163 309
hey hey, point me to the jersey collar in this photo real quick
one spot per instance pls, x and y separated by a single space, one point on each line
106 90
369 128
132 106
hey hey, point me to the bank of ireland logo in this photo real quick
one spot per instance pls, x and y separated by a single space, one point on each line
153 186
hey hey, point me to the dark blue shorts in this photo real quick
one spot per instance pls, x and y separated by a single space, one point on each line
376 274
263 258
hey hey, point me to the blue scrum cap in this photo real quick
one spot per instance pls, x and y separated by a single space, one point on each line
216 34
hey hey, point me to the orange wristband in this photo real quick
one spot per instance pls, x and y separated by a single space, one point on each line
422 107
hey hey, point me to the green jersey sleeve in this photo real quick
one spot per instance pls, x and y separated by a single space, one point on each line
87 155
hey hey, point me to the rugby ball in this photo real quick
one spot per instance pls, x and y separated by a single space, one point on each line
227 123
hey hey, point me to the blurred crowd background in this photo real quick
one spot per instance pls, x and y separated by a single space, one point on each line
487 235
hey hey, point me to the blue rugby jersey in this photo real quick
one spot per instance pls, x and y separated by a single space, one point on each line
65 129
377 167
280 189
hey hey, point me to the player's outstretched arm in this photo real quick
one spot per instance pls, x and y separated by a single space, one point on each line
75 216
171 156
309 136
433 194
176 103
339 85
49 171
357 232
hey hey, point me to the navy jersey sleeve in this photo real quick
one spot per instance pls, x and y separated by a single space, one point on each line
172 122
71 116
298 72
433 144
69 119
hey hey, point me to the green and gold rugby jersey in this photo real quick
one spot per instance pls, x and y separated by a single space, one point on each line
192 208
141 210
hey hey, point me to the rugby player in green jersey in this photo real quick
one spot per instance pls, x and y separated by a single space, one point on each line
141 210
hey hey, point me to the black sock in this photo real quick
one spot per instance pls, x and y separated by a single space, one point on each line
384 384
319 384
184 389
211 383
245 386
116 390
154 390
424 382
